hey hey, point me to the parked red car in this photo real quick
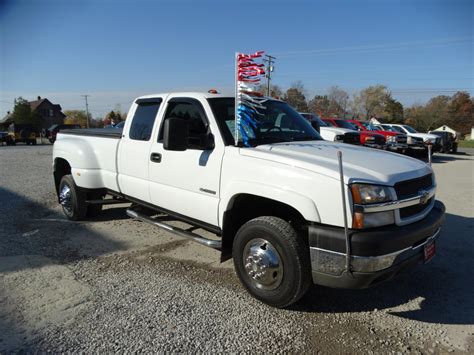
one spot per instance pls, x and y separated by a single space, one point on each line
394 141
367 138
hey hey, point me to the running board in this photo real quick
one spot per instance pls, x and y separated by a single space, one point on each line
216 244
107 201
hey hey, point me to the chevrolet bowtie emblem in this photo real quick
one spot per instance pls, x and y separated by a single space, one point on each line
424 196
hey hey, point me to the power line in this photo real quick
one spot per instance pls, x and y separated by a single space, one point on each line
371 48
87 109
270 61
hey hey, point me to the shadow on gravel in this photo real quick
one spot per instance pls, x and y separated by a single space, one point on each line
112 214
36 287
445 285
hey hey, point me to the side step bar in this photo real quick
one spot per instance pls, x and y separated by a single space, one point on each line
216 244
106 201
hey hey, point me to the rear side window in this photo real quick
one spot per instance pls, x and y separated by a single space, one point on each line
143 119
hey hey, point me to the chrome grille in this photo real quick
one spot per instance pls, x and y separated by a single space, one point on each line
410 188
402 139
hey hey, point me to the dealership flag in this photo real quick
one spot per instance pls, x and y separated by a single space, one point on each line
248 74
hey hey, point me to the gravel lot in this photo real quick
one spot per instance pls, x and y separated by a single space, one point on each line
113 284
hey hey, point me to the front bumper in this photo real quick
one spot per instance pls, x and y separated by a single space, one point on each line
397 147
377 254
374 145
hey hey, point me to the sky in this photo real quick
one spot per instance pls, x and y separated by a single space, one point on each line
117 50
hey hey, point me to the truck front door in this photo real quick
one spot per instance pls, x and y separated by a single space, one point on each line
187 182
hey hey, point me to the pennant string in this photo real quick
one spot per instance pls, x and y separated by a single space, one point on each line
248 100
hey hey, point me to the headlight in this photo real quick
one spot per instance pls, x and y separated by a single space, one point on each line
339 138
363 194
392 139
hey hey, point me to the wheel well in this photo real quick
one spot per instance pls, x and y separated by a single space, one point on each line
61 168
245 207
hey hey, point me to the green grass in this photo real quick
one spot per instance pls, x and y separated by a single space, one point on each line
466 144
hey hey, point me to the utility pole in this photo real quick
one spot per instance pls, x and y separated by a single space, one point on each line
87 109
270 61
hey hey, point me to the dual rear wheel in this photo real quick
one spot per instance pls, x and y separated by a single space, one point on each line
73 200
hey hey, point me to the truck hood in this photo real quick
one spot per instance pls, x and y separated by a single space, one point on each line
336 130
424 136
360 163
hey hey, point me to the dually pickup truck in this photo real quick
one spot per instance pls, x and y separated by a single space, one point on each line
275 205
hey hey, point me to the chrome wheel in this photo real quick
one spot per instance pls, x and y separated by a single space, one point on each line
65 199
263 264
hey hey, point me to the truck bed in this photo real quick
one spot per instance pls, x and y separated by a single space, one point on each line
115 133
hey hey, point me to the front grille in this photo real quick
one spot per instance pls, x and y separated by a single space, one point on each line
352 138
380 140
414 210
410 188
401 139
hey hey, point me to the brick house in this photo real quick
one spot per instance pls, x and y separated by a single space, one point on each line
47 113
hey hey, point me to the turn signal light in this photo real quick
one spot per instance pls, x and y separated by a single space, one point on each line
358 220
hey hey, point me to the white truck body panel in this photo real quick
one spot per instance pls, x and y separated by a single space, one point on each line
329 133
202 184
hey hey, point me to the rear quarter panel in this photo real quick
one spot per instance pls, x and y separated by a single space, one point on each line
92 159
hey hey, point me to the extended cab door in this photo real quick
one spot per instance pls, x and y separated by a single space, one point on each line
187 182
134 149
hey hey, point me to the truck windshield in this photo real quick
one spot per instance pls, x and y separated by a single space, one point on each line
410 129
277 123
398 129
310 117
370 126
345 124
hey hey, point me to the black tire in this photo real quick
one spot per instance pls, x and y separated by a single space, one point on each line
76 208
94 210
294 255
34 141
455 148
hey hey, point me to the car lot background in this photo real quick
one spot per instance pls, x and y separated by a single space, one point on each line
114 284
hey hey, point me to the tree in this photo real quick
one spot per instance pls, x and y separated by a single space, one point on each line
338 100
320 105
294 96
461 112
22 112
275 91
76 117
371 101
456 111
393 110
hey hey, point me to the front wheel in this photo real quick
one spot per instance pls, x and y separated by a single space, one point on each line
272 261
72 199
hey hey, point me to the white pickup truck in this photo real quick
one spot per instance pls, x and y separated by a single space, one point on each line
332 134
276 206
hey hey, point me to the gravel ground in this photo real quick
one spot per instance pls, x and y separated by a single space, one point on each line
114 284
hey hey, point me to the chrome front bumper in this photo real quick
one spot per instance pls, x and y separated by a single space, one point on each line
331 262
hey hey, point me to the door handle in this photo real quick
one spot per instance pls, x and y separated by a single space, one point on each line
155 157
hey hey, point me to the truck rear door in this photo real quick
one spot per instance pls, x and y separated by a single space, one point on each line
187 182
134 149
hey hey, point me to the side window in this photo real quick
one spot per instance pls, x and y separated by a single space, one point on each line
194 114
143 120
